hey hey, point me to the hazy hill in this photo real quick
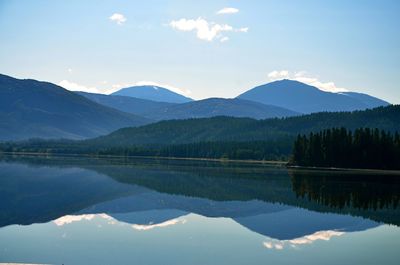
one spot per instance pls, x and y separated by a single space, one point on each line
154 93
304 98
371 101
29 108
128 104
212 107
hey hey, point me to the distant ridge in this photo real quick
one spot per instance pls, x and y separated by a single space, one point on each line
371 101
206 108
154 93
128 104
212 107
304 98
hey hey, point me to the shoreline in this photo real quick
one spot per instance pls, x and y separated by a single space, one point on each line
270 162
221 160
351 170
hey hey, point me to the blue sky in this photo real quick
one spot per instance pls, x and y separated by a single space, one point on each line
202 49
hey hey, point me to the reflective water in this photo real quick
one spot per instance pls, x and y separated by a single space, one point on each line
97 211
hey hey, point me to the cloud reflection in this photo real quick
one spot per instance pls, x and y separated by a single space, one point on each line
308 239
163 224
68 219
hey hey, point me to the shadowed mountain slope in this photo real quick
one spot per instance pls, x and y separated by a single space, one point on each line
34 109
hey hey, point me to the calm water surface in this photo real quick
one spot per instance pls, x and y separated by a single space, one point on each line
92 211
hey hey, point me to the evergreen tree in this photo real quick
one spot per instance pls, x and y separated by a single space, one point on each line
338 147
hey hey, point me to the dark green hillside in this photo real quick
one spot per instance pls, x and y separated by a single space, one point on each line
383 118
244 129
187 131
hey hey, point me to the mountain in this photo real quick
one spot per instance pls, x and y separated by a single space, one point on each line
212 107
304 98
154 93
34 109
132 105
246 129
366 99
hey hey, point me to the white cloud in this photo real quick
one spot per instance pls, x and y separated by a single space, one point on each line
228 10
71 86
205 30
77 87
69 70
223 39
172 88
243 30
302 76
118 18
277 75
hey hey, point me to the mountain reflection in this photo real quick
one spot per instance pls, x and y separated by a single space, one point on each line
295 207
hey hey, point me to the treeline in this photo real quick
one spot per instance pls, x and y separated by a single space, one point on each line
257 150
339 147
229 129
254 150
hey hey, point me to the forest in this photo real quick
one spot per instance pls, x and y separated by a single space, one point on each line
339 147
278 150
307 140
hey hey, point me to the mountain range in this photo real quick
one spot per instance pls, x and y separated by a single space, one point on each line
282 98
34 109
211 107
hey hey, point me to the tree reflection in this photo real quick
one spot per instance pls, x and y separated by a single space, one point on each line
349 190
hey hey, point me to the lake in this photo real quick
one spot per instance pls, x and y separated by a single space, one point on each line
66 210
